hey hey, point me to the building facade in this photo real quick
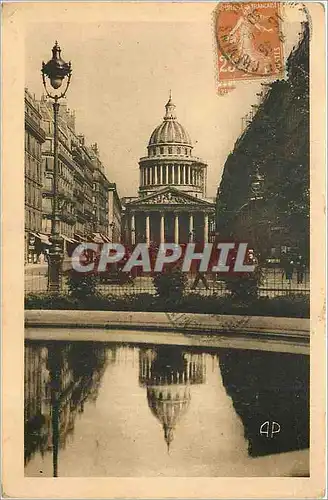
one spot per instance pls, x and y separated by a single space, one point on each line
99 195
67 175
172 204
84 225
114 214
89 205
34 139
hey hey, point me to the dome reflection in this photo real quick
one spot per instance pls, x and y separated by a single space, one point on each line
168 374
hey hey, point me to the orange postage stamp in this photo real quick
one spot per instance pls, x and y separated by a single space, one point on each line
250 41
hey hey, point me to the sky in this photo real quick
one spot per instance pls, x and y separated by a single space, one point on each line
123 70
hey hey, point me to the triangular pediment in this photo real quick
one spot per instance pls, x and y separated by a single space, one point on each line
170 196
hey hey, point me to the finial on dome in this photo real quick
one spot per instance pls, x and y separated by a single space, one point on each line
168 435
170 109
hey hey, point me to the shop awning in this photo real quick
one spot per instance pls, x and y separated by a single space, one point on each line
105 238
78 238
97 238
44 238
70 240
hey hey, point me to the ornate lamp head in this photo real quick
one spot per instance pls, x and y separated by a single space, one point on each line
56 69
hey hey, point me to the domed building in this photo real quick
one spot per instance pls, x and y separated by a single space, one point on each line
172 204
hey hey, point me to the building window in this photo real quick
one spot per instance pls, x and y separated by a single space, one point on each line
48 145
186 151
179 151
170 150
48 164
161 150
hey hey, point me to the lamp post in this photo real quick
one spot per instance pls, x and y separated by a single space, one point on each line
56 71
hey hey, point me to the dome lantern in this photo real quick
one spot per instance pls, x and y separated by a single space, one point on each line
170 109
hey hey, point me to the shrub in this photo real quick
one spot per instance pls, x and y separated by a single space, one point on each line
170 284
81 285
291 305
294 306
49 300
245 287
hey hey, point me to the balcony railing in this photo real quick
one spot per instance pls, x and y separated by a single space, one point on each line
35 128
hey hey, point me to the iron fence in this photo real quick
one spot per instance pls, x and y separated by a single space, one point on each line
274 284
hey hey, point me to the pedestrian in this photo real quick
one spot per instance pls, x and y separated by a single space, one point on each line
46 255
289 269
300 268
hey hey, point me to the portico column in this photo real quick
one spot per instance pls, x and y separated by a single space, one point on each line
162 232
147 229
205 228
176 228
133 229
155 170
191 228
161 174
183 174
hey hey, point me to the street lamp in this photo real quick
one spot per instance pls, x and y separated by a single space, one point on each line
56 71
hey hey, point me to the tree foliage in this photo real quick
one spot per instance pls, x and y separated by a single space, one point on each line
276 144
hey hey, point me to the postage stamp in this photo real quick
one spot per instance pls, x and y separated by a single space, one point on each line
249 41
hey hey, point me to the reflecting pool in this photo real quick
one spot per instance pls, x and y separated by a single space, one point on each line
96 409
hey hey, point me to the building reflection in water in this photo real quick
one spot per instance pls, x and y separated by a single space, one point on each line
269 387
59 379
168 373
227 393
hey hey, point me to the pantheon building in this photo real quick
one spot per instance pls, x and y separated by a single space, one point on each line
172 204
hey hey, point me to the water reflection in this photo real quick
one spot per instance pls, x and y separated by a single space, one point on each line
269 387
59 378
90 408
168 373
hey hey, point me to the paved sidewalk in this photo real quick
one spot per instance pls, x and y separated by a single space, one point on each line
38 268
244 332
257 325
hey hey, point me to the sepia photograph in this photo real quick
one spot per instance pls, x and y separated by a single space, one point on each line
167 261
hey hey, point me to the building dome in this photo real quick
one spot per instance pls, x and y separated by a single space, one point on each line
168 403
170 131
